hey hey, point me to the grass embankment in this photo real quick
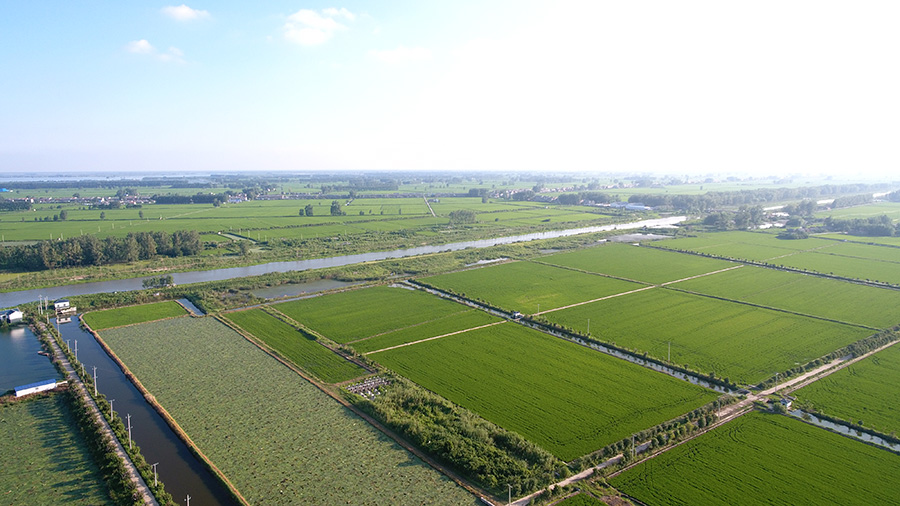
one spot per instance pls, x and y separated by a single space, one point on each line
100 320
766 459
273 422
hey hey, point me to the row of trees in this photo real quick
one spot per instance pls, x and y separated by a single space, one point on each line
88 250
714 200
873 226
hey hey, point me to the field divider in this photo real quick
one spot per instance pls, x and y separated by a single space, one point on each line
435 337
582 271
733 267
409 326
596 300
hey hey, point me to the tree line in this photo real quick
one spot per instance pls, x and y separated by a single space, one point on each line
86 250
714 200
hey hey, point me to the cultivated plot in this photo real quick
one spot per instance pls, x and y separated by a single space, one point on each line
855 261
641 264
278 438
107 318
362 313
745 245
826 298
523 286
762 459
441 326
866 392
566 398
743 343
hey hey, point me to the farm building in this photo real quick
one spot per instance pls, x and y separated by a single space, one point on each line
61 305
11 316
33 388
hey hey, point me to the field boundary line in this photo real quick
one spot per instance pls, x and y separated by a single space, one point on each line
582 271
410 326
430 210
702 275
797 252
435 337
822 374
597 300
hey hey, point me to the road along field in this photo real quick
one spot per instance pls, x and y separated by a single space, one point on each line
864 392
298 348
362 313
743 343
566 398
277 437
640 264
812 295
523 286
99 320
764 459
44 459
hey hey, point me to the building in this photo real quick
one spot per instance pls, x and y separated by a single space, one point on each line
11 316
61 305
33 388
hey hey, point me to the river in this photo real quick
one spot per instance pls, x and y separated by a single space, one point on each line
10 299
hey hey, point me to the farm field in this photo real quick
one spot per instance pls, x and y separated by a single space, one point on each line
99 320
746 245
290 343
274 423
366 312
637 263
44 459
743 343
762 459
866 391
811 295
892 209
523 286
566 398
890 241
831 262
581 500
440 326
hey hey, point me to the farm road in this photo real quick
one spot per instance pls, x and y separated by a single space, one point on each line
433 338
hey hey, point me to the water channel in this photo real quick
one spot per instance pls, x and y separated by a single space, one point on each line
20 363
181 472
844 430
10 299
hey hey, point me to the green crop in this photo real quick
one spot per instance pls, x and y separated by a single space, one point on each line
99 320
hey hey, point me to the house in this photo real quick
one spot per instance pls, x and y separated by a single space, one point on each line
33 388
11 316
61 305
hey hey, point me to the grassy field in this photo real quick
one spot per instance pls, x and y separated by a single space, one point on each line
99 320
891 209
747 245
841 261
293 345
523 286
438 327
44 458
762 459
743 343
866 391
276 436
890 241
640 264
812 295
566 398
358 314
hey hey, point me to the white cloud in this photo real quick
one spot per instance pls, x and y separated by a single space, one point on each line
310 28
402 55
172 55
184 13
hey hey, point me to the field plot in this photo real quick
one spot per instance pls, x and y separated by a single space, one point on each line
278 438
840 260
358 314
892 209
811 295
890 241
866 391
44 458
762 459
566 398
743 343
640 264
99 320
293 345
438 327
747 245
523 286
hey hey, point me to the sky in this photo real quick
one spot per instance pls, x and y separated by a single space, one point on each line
686 87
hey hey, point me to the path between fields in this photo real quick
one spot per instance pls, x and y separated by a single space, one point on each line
430 210
433 338
799 251
74 380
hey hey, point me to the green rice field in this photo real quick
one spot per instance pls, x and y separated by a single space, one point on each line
743 343
850 260
107 318
762 459
866 391
44 459
290 343
756 246
566 398
358 314
438 327
826 298
523 286
277 437
640 264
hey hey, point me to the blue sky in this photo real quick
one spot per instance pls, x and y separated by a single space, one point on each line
769 87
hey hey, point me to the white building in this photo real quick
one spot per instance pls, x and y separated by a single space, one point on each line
33 388
11 316
61 305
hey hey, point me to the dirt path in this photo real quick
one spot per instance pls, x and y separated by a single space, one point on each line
430 210
596 300
75 381
702 275
433 338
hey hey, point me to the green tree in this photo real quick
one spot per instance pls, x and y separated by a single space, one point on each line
102 215
63 215
336 208
309 209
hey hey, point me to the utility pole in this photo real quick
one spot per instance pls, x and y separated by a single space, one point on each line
632 446
95 381
589 326
129 430
509 499
76 341
112 413
670 352
154 473
188 500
